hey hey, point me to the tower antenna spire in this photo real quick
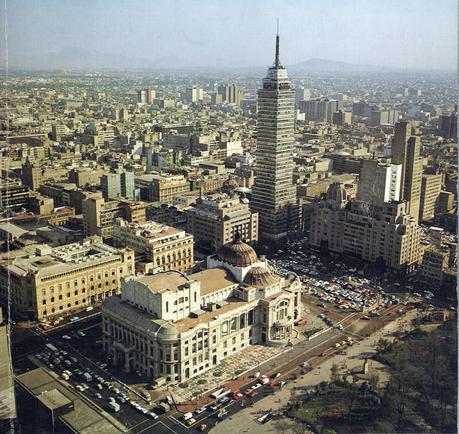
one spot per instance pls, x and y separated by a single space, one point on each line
276 60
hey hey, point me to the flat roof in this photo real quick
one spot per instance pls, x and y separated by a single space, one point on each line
169 280
82 418
53 399
213 279
188 323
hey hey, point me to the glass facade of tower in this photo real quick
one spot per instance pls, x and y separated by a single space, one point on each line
273 194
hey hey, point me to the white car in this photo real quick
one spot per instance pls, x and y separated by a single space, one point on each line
66 337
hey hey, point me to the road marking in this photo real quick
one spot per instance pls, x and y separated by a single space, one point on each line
157 423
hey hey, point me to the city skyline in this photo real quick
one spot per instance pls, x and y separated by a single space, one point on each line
218 36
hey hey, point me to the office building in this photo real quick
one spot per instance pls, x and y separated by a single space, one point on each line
319 110
13 196
448 126
165 247
342 118
60 280
32 175
118 184
230 94
58 132
99 216
161 188
146 96
386 235
110 185
174 327
361 109
406 150
383 117
194 94
216 218
273 194
430 191
301 94
445 202
379 182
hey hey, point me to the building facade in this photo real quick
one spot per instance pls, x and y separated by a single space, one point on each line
161 188
165 247
430 191
379 182
383 234
406 150
176 327
216 218
56 281
99 216
273 194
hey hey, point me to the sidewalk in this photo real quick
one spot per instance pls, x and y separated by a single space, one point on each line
246 418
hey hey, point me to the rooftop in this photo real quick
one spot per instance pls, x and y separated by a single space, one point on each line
213 280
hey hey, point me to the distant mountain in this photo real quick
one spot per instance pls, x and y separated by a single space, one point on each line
324 65
83 59
80 58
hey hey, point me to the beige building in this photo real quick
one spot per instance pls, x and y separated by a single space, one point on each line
383 234
430 190
439 262
65 279
406 150
175 326
165 247
215 219
99 216
161 188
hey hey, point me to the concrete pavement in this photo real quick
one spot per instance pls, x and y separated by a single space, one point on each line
247 418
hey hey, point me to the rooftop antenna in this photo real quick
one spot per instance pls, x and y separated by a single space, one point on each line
276 60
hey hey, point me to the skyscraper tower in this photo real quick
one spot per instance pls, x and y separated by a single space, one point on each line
273 194
406 150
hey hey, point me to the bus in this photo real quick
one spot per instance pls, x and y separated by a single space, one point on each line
51 348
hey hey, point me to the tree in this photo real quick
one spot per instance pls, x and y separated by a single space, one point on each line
334 373
373 381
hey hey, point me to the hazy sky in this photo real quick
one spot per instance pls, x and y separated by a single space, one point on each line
401 33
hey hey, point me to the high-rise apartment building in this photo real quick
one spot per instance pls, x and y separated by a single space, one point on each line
273 194
406 150
216 218
379 182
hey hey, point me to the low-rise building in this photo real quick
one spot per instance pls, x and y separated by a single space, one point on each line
99 216
165 247
175 326
65 279
161 188
216 218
